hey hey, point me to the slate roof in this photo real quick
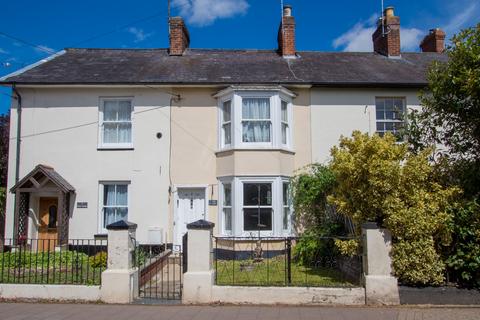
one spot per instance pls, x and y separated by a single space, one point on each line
202 66
50 173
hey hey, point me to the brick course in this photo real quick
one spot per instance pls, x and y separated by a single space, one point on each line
286 36
434 41
179 36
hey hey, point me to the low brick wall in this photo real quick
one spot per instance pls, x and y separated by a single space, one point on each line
288 295
50 292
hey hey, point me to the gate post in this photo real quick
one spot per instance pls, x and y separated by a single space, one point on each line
381 288
120 280
199 278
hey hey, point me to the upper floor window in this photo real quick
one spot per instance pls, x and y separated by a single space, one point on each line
116 123
390 115
255 118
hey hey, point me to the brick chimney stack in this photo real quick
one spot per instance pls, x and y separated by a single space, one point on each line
286 33
179 36
386 39
434 41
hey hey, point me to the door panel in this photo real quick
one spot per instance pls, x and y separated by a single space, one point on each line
47 230
191 207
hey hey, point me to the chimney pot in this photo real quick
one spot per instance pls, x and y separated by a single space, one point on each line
287 10
434 41
389 12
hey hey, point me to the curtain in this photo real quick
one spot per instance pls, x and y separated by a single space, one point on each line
115 201
254 110
117 117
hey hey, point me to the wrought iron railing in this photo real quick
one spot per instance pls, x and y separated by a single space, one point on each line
46 261
273 261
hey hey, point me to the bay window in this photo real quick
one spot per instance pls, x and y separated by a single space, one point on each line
253 205
252 119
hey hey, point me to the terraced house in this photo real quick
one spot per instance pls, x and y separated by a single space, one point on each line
164 137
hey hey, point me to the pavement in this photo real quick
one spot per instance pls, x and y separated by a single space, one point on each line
40 311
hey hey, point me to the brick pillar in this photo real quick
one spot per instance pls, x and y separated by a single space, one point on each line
386 39
179 36
286 33
434 41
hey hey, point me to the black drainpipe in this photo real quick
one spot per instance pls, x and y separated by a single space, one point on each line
19 132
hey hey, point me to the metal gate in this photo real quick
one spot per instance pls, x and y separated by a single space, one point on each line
160 273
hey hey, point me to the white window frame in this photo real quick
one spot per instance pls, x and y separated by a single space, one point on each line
289 206
236 97
237 206
101 144
404 112
222 206
223 123
101 195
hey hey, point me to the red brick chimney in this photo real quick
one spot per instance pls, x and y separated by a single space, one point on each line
434 41
386 39
286 33
179 37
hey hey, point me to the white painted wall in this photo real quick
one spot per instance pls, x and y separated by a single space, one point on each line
60 129
337 112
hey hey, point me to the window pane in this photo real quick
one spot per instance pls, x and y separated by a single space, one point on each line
227 194
227 106
255 194
380 126
124 133
284 111
285 194
122 214
389 115
227 216
110 132
256 108
110 110
380 104
388 105
286 214
380 115
256 131
108 216
122 195
257 219
124 110
109 195
284 133
227 133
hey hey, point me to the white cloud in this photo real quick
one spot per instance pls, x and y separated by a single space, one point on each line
205 12
44 49
462 18
359 37
139 34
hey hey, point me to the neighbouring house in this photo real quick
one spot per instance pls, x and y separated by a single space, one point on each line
163 137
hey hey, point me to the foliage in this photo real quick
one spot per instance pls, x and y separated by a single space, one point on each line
379 180
464 258
451 110
22 258
4 139
347 248
99 260
310 189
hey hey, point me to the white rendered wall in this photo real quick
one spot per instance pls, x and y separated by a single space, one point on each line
337 112
60 129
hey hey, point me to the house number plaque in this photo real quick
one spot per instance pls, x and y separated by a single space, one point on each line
82 205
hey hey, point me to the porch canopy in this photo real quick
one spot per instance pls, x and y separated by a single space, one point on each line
42 179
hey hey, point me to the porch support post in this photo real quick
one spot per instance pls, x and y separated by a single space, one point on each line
120 280
381 287
16 217
63 218
199 278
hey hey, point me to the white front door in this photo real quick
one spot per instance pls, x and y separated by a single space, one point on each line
190 207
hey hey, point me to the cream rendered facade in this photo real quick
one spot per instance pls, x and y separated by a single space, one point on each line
60 129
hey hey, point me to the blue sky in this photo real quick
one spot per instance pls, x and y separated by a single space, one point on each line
321 25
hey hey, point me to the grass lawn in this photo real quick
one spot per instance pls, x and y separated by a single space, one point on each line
272 272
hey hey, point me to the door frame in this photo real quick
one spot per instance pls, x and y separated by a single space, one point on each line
175 208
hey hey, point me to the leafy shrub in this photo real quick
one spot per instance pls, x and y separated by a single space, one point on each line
311 248
379 180
347 248
99 260
23 258
464 259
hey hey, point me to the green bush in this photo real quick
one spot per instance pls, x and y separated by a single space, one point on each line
99 260
311 248
22 258
463 260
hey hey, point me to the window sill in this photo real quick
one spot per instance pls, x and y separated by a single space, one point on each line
112 148
227 150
